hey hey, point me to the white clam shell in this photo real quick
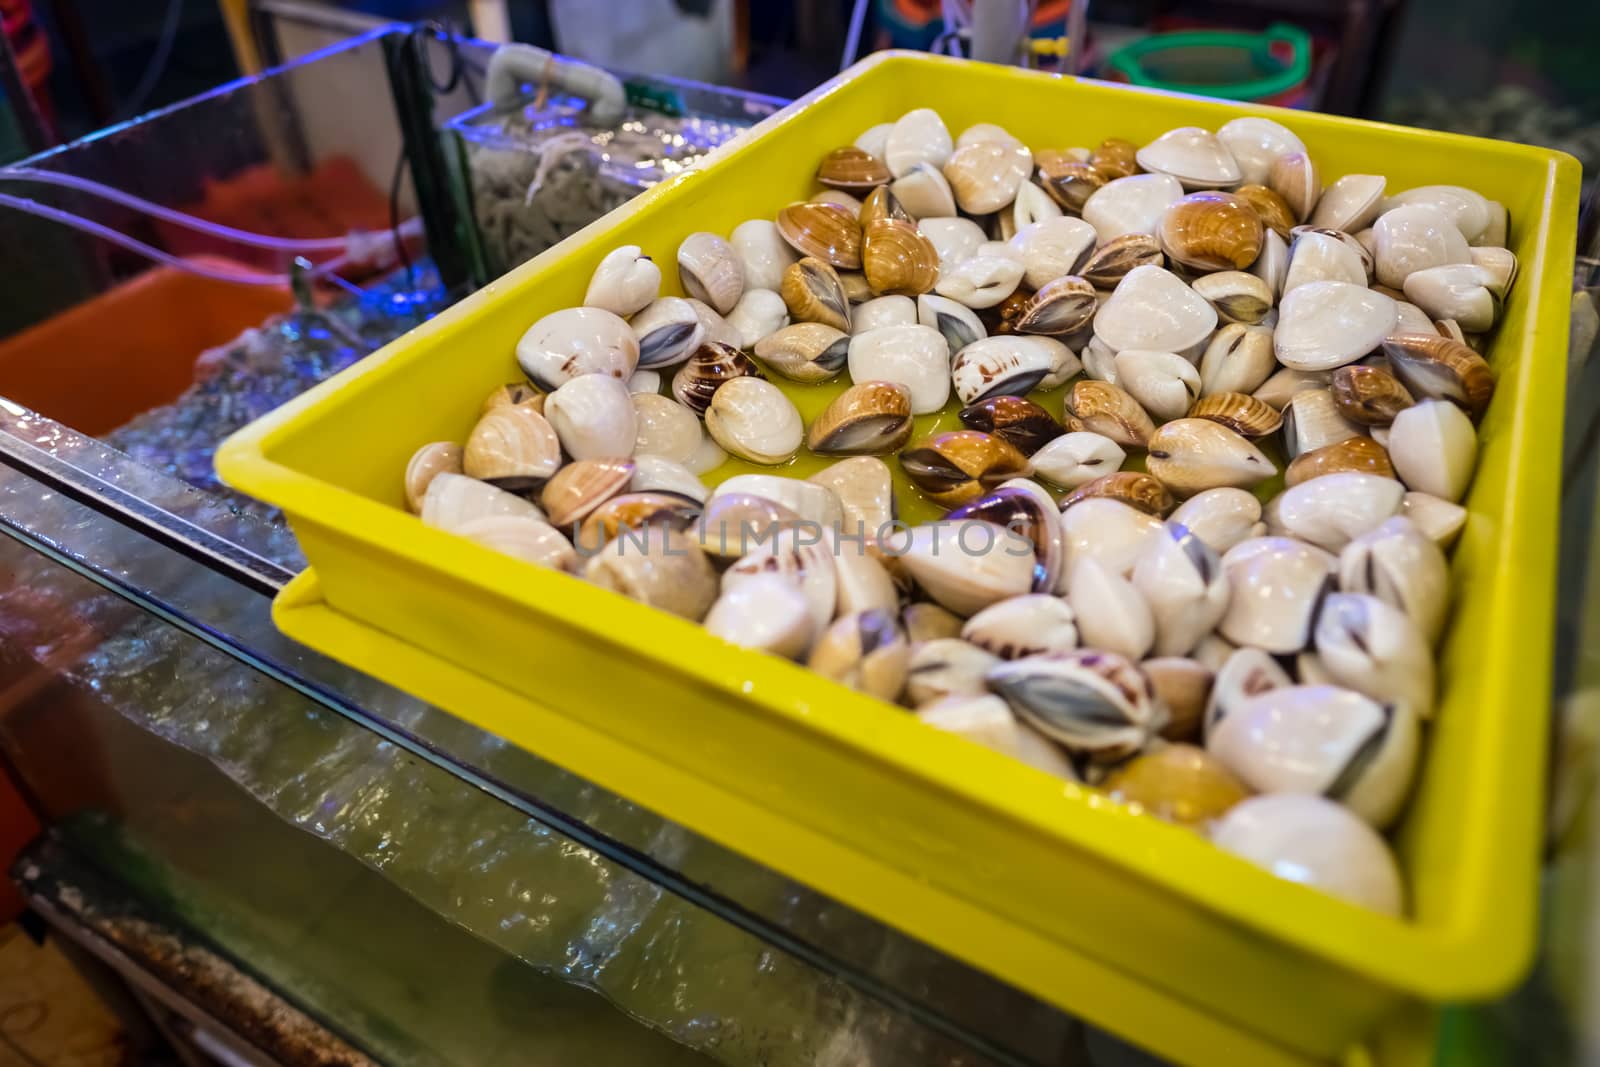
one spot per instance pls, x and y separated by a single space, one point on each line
663 427
1494 236
625 281
1238 359
1332 510
1323 325
883 311
1166 385
1321 257
711 270
1182 581
766 612
874 140
1277 584
1109 531
983 279
764 253
1316 842
865 488
1052 248
1152 309
863 582
1439 520
946 667
577 341
987 720
668 330
1351 203
1469 211
969 564
813 502
1240 674
1133 204
1411 319
1433 448
1499 265
707 456
452 500
1458 291
1255 144
1414 237
593 415
1220 517
1012 364
1112 614
1099 361
919 136
1377 650
715 327
1076 458
1401 566
1322 740
1032 206
955 240
521 537
957 323
804 560
426 464
644 381
1023 626
753 419
924 193
916 357
987 133
658 474
758 313
1198 158
1272 265
985 177
840 197
1311 420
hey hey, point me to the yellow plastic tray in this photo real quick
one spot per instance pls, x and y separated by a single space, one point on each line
1136 925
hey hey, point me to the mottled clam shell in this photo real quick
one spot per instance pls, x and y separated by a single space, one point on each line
1108 264
1015 419
1029 514
1110 411
1270 208
1134 488
1010 365
426 464
1023 626
712 365
514 448
870 418
827 232
1094 703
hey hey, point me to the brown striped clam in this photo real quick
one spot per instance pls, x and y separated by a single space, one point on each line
1272 209
1360 454
1115 158
580 487
1211 231
712 364
1110 262
985 176
812 292
852 169
512 447
868 419
961 465
1134 488
897 259
881 203
1244 415
1108 410
512 394
633 512
1371 396
1179 783
1441 368
1062 306
1069 182
829 232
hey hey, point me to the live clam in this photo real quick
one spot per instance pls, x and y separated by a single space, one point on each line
658 474
513 394
1182 580
1470 212
660 566
1181 685
944 667
1013 365
1028 515
1238 359
1433 448
521 537
1323 325
881 203
898 259
926 621
581 486
1458 291
1060 307
1315 256
1115 158
1398 564
453 500
576 341
1130 205
1099 361
956 322
1070 182
852 169
962 465
1196 157
1244 415
710 367
625 281
883 311
1256 143
1178 783
1295 178
1014 419
1311 420
713 326
763 251
1439 520
1370 396
514 448
632 513
1270 208
1272 266
1152 309
1210 231
1351 203
985 176
916 357
751 418
1076 458
1245 674
1112 615
968 564
983 279
1093 703
1163 383
1374 648
731 522
1052 248
924 193
758 313
1330 510
813 293
987 720
1032 206
1108 531
869 418
1109 410
986 133
1360 454
796 555
1220 517
668 331
1317 842
1023 626
864 486
664 427
805 351
767 613
866 652
864 583
1237 296
1112 261
432 460
919 136
1413 237
1190 455
827 232
1499 268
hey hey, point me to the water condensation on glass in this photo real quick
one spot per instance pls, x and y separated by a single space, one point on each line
541 174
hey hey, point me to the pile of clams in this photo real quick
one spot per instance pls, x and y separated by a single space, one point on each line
1218 414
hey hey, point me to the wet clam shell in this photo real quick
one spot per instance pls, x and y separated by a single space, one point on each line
1070 182
513 394
1244 415
593 417
1109 263
869 418
1028 514
802 559
865 652
581 486
881 203
1130 205
1152 309
954 468
918 136
985 176
1198 158
897 259
1164 384
1220 517
1324 325
1360 454
864 487
631 513
452 500
1376 649
1330 510
1052 248
1414 237
1314 841
705 372
1350 204
732 522
657 474
1115 158
763 251
1311 420
956 322
1211 231
1243 674
1182 686
1014 419
711 270
1110 411
1134 488
1404 568
1441 368
1076 458
1456 291
669 330
1023 626
1112 615
1108 531
664 427
1434 448
829 232
1062 306
968 564
852 169
576 341
1270 208
805 351
987 720
916 357
812 501
983 279
1237 296
1093 703
925 621
924 193
1238 359
1278 584
660 566
1370 396
1295 177
1256 143
1032 205
426 464
767 613
521 537
1182 580
813 293
512 447
1010 365
1439 520
945 667
884 311
758 314
753 419
625 281
1179 783
1190 455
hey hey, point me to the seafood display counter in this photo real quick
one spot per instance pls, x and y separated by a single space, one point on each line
419 888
